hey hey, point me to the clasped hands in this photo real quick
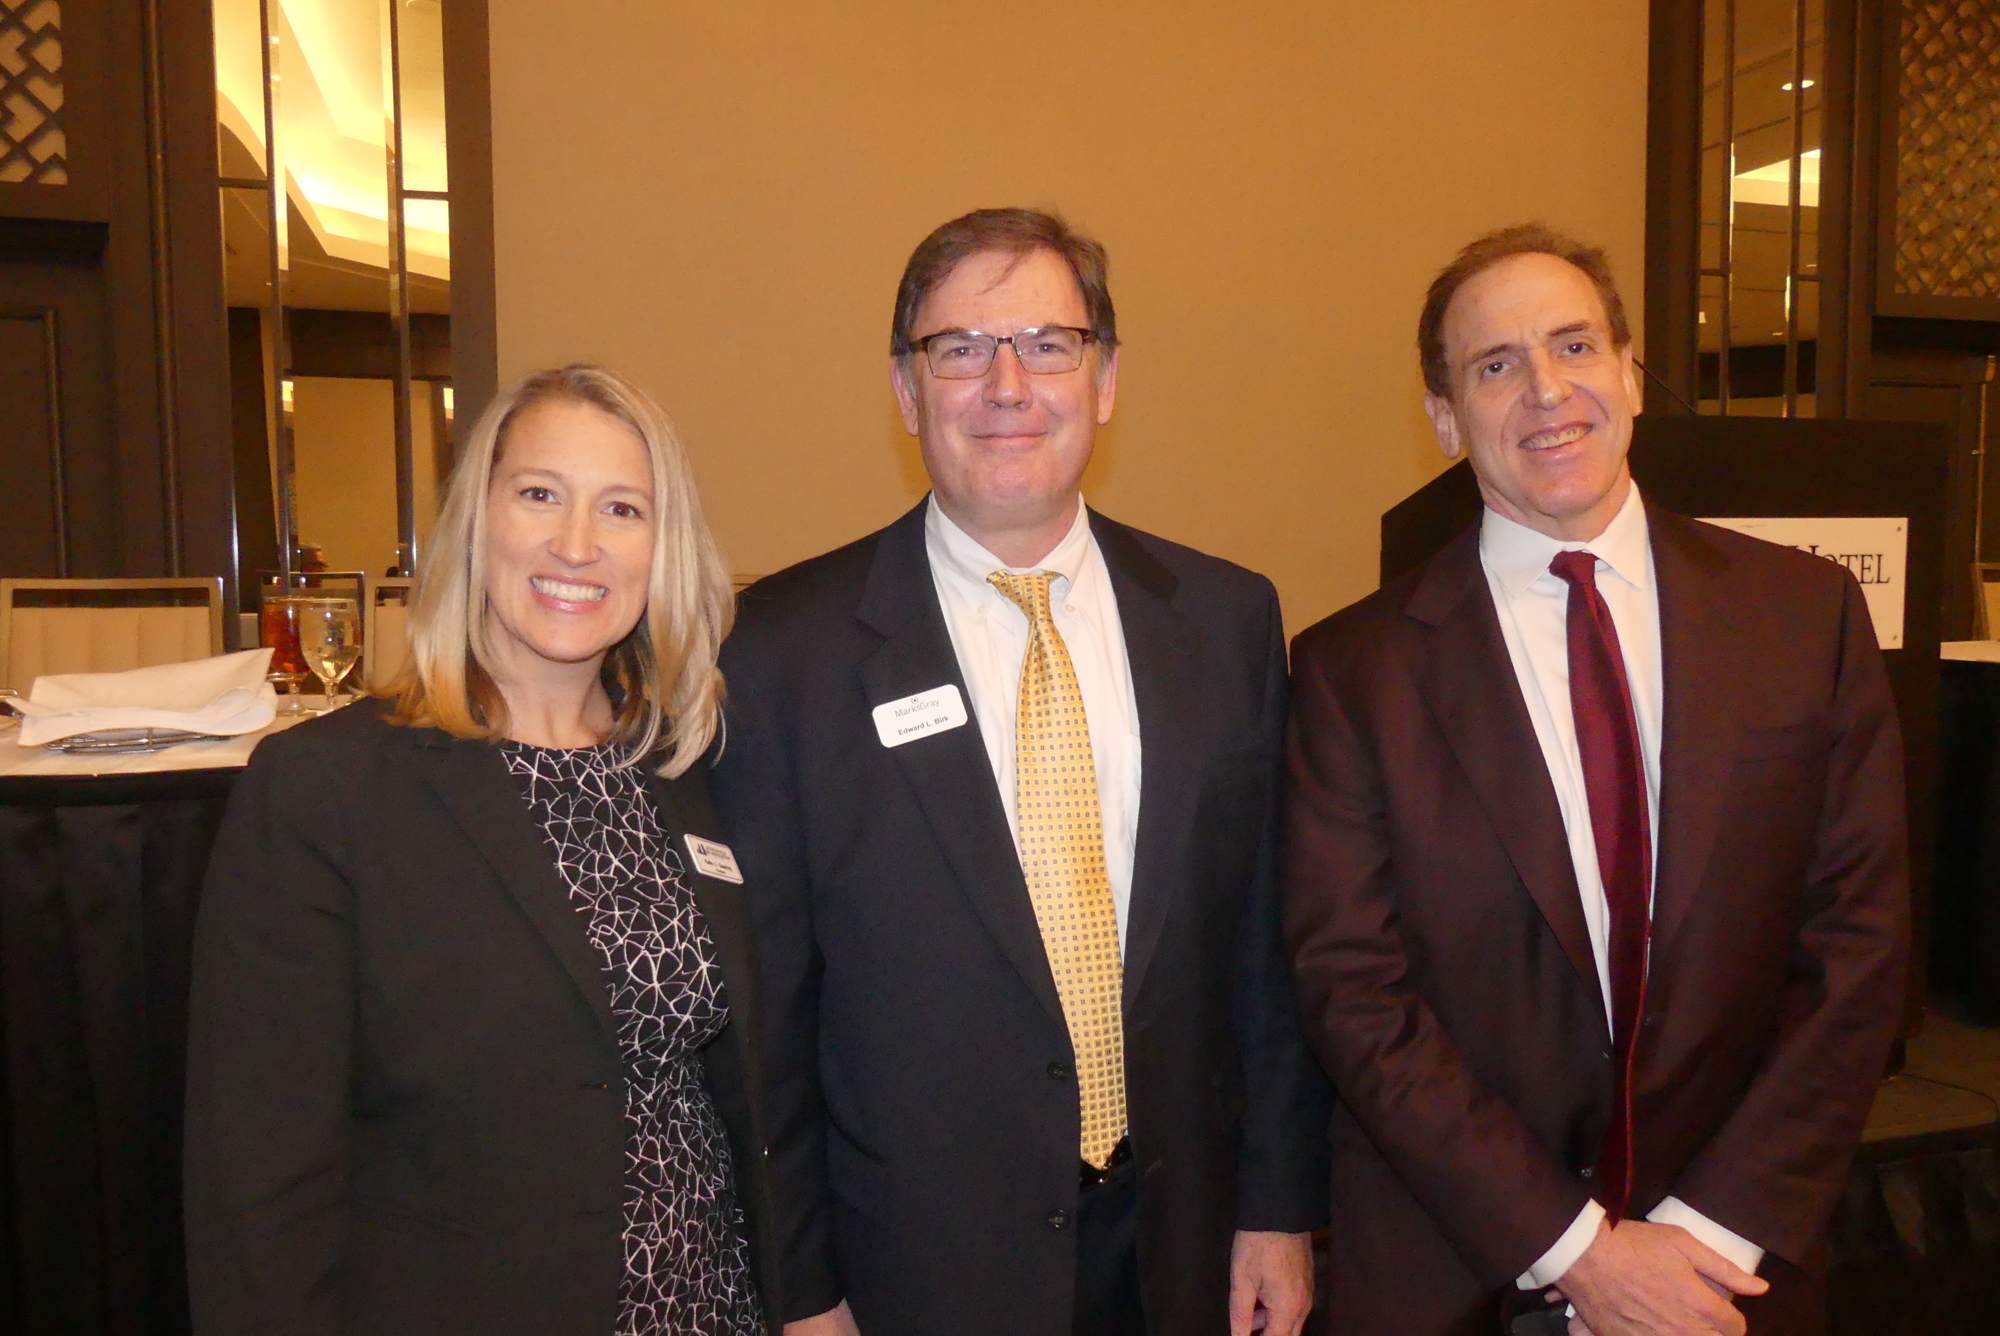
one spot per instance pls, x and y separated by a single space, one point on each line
1270 1289
1642 1279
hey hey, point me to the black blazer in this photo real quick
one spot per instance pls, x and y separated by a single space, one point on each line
405 1096
923 1114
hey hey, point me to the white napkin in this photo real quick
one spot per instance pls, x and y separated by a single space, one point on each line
225 695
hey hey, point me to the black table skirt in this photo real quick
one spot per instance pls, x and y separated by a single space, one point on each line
1965 934
99 883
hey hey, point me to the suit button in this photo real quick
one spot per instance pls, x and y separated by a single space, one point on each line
1058 1219
1059 1071
1589 1172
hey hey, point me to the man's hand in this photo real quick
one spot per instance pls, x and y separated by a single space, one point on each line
1270 1283
1641 1279
833 1322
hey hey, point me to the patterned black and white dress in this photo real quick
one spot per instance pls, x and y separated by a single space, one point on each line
687 1267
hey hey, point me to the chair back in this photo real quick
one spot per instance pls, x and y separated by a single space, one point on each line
1986 600
385 639
105 626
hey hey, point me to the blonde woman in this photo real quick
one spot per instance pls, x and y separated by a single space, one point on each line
473 1041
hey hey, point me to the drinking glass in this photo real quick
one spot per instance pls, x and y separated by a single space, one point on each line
330 640
278 627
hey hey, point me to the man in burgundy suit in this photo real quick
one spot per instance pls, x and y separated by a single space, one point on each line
1594 868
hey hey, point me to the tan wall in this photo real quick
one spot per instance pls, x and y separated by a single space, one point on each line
344 448
718 199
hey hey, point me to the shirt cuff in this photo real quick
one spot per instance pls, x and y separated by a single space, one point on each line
1674 1211
1562 1255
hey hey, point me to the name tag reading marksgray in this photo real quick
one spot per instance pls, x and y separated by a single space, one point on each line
712 859
913 717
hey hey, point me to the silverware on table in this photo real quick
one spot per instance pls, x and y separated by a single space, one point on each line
125 741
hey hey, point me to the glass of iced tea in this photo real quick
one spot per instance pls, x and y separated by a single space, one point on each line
278 627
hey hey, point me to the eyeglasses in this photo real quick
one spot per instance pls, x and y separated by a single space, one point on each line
963 354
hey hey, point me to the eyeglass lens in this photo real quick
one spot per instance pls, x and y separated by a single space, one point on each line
961 355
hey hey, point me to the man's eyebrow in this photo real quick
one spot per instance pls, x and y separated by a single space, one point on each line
1494 350
1560 332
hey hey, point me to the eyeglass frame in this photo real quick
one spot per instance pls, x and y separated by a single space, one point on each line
923 345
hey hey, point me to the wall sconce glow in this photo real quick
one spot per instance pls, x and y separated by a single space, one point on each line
1771 184
1788 88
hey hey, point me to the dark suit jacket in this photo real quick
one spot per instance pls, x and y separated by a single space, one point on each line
405 1095
1442 961
923 1114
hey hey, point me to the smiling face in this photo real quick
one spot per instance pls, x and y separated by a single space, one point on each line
569 541
1006 451
1541 401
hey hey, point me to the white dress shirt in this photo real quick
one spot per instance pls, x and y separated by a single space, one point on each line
989 634
1533 607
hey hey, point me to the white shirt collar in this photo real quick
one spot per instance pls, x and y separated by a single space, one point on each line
966 558
1518 556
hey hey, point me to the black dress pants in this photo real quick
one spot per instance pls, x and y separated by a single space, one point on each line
1107 1256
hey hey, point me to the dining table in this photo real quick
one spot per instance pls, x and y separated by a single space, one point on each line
101 866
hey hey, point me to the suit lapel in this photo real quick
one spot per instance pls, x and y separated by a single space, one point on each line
1159 642
1700 724
472 782
684 809
948 772
1468 682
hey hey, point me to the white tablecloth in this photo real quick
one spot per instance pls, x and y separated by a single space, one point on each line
225 754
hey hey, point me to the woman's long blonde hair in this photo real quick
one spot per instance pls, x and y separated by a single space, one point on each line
664 684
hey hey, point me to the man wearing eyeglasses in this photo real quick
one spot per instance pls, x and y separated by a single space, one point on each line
1000 780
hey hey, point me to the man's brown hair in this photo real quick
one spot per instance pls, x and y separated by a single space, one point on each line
1483 254
1017 232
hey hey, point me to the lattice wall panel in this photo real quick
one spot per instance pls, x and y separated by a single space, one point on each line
1948 174
33 148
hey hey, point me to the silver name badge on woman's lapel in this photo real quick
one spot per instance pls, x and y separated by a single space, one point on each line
714 860
913 717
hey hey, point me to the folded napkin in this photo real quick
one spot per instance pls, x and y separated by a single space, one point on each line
225 696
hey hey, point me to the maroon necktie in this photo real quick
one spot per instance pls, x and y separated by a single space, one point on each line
1614 777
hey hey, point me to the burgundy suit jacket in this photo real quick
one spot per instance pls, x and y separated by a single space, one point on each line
1445 975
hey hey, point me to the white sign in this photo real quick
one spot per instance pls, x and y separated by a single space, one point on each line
913 717
1873 549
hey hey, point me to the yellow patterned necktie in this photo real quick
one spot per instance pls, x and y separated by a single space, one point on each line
1062 855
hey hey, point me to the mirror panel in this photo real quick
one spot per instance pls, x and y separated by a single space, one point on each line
341 279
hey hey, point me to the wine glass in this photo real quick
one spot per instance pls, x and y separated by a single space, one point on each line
278 627
330 640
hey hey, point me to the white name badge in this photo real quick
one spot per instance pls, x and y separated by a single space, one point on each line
913 717
713 860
